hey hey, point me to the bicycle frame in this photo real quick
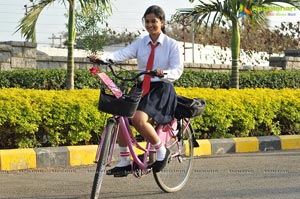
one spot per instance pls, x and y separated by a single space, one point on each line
179 140
164 132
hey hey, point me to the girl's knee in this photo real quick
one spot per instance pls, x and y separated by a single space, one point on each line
139 118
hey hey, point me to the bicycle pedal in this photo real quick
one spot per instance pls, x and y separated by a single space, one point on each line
150 165
120 175
135 166
180 159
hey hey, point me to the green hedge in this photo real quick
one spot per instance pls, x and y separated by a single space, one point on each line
65 117
55 79
71 117
247 112
275 79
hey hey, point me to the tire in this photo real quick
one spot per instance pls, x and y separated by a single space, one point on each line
177 171
103 158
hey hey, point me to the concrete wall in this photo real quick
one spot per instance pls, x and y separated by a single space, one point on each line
51 62
25 55
290 60
15 55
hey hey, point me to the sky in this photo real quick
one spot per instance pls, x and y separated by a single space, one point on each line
127 14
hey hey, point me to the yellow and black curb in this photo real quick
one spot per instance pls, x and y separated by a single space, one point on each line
49 157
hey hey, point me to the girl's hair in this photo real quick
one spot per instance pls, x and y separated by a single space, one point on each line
159 13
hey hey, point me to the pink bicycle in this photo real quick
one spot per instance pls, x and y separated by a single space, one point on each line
121 100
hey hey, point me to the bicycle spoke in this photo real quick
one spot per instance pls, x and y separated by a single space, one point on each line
103 158
175 175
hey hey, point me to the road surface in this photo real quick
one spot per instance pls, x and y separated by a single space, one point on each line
265 175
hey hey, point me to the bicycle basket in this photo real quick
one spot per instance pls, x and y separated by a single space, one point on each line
188 108
125 106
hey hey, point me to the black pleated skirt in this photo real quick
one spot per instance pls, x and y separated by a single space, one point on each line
160 102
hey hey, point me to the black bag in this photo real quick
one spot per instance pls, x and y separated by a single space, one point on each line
188 108
123 106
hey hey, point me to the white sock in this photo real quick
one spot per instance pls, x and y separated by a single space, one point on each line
160 151
124 157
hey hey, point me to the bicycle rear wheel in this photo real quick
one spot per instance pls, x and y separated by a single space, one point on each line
111 127
176 173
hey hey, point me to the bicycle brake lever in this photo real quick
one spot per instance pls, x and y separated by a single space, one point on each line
163 75
99 61
154 74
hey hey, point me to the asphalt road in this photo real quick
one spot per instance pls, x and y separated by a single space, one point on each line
267 175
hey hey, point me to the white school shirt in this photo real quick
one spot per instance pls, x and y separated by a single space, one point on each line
166 57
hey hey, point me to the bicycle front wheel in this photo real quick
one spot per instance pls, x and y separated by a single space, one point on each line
111 127
176 173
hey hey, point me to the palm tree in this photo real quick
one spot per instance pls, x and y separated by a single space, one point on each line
28 24
214 12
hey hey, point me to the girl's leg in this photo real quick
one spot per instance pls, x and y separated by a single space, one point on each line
141 124
123 168
124 151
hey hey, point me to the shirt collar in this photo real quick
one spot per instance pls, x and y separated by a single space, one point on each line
160 39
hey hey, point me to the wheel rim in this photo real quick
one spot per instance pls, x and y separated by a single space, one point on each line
175 175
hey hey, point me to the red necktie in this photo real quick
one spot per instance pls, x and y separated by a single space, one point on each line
147 78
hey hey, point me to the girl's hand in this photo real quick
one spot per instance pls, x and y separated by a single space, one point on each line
159 73
94 58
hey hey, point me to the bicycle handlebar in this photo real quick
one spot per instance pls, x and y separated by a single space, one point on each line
152 73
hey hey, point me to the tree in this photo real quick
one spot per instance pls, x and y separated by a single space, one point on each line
28 25
254 39
92 35
112 37
214 12
89 32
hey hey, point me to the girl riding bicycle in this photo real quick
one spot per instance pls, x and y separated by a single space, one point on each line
161 53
